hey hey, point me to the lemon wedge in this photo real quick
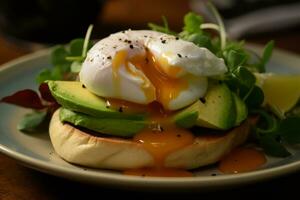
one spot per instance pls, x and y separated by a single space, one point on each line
282 92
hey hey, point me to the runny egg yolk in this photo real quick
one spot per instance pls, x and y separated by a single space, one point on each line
163 141
161 75
117 62
160 143
242 160
167 86
161 137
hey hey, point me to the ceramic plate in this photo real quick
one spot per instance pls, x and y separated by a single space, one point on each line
35 150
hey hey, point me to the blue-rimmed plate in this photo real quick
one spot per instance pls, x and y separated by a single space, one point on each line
35 150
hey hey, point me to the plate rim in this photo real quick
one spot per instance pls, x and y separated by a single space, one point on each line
161 182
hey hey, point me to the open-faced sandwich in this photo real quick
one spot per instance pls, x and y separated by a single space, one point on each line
159 103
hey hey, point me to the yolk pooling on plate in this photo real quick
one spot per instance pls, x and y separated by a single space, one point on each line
242 160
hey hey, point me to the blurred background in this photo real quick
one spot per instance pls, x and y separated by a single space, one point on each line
29 25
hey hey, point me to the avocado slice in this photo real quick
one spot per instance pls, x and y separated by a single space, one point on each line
241 109
72 95
187 117
116 127
217 109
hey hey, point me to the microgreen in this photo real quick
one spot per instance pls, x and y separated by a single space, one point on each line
31 121
192 23
220 23
289 129
272 133
266 56
163 29
67 59
266 133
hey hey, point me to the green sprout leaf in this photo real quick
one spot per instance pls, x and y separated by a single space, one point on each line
267 135
266 56
245 76
254 98
86 41
290 130
56 73
220 23
163 29
192 23
30 122
235 59
58 56
201 40
272 147
76 67
76 47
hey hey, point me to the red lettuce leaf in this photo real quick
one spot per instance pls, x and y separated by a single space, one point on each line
45 92
26 98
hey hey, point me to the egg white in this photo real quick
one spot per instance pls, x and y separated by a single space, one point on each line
196 65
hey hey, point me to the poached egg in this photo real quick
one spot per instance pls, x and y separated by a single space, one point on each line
147 66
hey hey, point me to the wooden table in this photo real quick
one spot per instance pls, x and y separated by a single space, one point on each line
18 182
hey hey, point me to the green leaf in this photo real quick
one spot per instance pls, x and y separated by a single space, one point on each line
244 75
58 56
267 52
162 29
31 121
267 124
43 76
289 130
272 147
86 41
55 73
76 47
192 23
266 56
267 134
200 40
235 59
76 67
255 97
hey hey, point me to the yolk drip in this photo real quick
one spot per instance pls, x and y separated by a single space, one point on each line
162 76
117 62
165 67
167 87
161 137
242 160
161 143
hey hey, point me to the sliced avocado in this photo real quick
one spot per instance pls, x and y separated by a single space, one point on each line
116 127
217 109
187 117
72 95
241 109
